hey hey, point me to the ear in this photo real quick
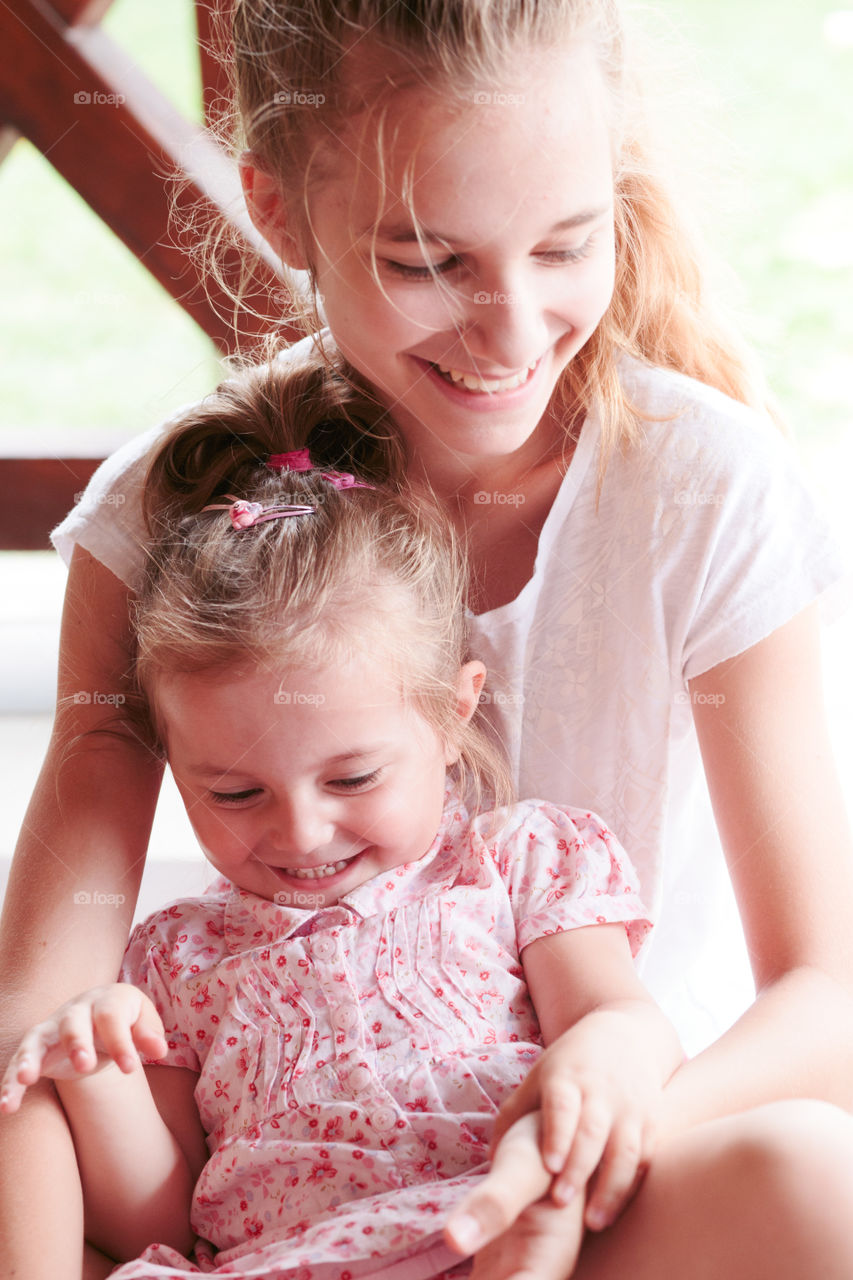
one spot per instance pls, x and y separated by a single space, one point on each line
267 210
471 679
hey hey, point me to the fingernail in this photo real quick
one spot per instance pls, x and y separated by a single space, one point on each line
597 1219
564 1195
466 1232
553 1162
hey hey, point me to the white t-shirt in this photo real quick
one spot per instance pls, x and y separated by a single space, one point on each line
702 541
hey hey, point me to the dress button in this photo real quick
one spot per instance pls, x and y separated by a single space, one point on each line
323 948
383 1119
345 1017
359 1078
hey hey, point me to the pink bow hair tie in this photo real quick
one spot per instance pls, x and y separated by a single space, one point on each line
300 460
246 514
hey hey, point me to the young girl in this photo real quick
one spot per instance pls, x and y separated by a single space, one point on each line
470 189
347 1005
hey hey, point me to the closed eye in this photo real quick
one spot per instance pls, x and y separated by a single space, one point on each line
233 797
423 273
355 784
577 254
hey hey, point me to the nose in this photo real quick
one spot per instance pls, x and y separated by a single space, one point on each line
507 326
300 827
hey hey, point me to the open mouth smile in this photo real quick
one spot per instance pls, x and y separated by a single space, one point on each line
322 872
485 386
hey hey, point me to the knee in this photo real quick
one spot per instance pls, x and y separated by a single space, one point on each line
793 1160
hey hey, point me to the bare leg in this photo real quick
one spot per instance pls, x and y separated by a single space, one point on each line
765 1193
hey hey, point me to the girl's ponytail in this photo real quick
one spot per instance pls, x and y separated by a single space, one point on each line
264 410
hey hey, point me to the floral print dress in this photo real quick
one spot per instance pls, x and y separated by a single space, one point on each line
352 1058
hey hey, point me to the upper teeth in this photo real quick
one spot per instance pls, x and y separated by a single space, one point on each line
312 873
474 383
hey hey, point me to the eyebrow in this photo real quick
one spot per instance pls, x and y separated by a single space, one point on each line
405 233
354 753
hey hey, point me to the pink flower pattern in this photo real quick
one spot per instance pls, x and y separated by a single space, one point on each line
351 1059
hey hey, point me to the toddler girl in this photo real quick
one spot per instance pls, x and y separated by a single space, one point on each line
355 997
470 187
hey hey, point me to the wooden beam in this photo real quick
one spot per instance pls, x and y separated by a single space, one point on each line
117 140
37 493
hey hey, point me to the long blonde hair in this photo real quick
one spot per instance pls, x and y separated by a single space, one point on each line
370 572
305 67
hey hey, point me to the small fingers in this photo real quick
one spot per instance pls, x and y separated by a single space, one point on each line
29 1062
148 1034
114 1018
591 1137
561 1108
76 1039
619 1174
517 1178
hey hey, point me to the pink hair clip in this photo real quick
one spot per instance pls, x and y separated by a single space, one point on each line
246 514
300 460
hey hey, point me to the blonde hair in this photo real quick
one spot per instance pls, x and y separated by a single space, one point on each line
370 572
305 69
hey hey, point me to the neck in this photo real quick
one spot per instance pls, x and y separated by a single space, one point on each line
458 478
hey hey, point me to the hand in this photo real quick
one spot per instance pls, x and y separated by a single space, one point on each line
505 1220
105 1026
599 1096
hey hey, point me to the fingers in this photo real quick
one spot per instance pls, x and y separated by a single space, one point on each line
24 1068
561 1110
107 1024
590 1140
517 1178
621 1170
148 1034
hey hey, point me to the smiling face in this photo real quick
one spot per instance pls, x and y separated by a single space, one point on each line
300 789
462 304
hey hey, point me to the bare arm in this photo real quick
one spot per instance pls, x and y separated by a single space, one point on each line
137 1134
782 818
86 832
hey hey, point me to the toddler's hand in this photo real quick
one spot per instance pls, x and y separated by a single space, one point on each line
598 1123
111 1024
